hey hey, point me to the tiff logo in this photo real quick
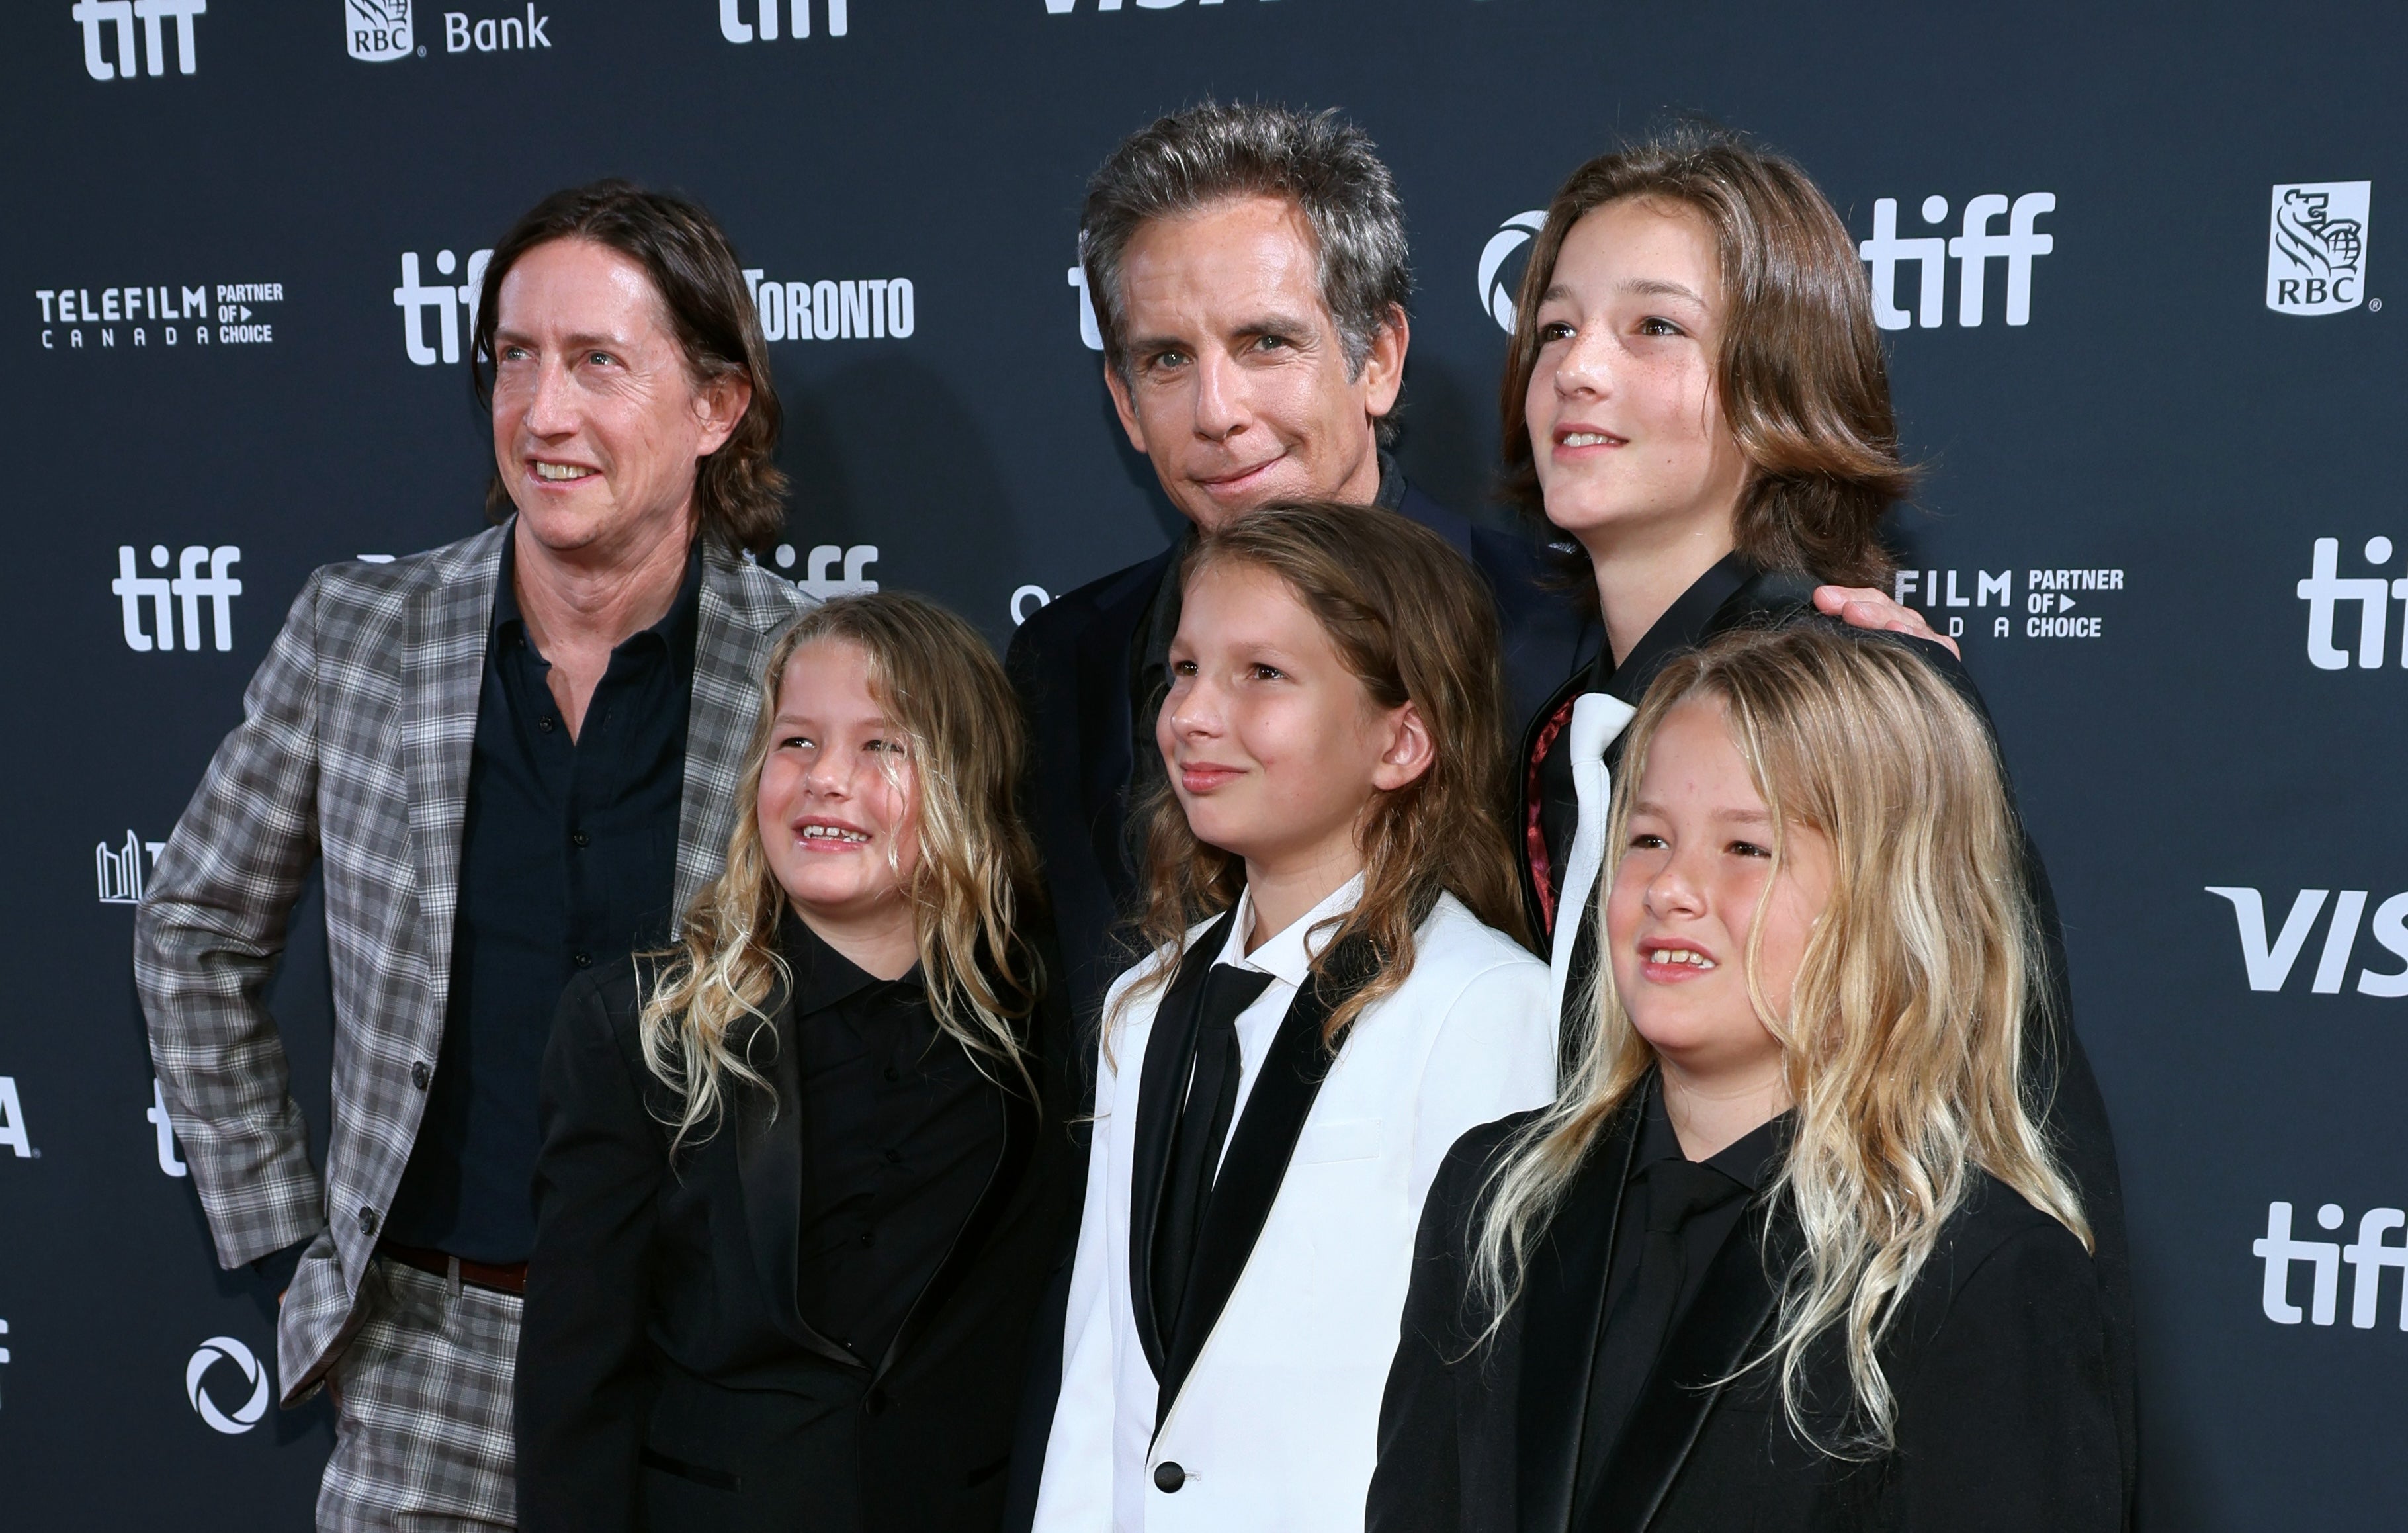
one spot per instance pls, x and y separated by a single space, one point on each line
99 16
170 1163
1975 247
818 580
2326 588
120 869
2268 961
2368 1255
735 29
450 303
189 587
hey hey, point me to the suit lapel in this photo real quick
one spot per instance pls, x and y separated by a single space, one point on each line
442 677
1563 1303
769 1168
1162 1082
724 707
1255 1163
1105 720
1719 1333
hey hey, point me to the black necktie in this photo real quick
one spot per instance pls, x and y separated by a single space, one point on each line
1201 1129
1638 1327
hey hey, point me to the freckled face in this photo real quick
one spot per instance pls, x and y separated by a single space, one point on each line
1696 878
1275 747
838 792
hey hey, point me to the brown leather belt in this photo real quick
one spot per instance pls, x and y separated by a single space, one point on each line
503 1280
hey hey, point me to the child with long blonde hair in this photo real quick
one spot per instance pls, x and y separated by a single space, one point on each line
1791 1249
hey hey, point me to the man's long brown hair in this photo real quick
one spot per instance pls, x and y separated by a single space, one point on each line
1414 623
1802 382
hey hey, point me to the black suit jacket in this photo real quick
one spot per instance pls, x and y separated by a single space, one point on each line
667 1378
1735 595
1997 1358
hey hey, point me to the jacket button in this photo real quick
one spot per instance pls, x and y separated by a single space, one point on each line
368 1220
583 960
875 1402
419 1074
1169 1477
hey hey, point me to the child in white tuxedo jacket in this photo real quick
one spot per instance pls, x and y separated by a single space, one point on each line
1329 1003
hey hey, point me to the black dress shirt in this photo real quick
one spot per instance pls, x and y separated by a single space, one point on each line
900 1133
567 860
1714 1197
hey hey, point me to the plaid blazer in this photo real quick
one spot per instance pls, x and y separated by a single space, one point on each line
355 751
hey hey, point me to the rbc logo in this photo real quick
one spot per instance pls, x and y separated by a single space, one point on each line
99 16
188 588
374 31
1974 247
735 29
2326 588
817 581
2368 1255
414 298
2316 254
227 1349
1495 292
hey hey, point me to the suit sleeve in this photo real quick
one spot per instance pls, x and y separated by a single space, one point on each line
1494 1054
1417 1484
206 942
583 1386
2007 1424
1075 1493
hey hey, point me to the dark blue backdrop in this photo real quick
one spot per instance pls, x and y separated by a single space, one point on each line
2203 707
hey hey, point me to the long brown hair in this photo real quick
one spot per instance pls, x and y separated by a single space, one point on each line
739 493
1414 623
946 695
1802 379
1903 1040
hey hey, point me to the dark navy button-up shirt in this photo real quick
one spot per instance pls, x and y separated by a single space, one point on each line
568 859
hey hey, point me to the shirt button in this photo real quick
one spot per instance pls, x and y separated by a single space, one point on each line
419 1074
546 723
894 1074
1169 1477
368 1220
577 838
868 1240
583 960
894 1157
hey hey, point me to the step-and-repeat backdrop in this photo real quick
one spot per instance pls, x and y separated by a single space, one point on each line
2133 274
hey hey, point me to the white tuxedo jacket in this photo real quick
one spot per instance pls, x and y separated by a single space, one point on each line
1275 1425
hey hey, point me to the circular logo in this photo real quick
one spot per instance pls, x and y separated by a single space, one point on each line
211 1352
1497 294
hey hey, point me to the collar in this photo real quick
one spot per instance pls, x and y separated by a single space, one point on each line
1685 625
678 628
822 976
1751 1160
1288 957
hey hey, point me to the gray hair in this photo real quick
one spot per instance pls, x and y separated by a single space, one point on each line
1212 152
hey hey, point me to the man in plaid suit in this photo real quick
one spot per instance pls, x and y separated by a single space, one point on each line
508 755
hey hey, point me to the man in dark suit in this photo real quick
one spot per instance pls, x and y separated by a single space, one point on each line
1249 272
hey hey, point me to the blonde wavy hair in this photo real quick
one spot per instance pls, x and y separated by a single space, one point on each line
1414 623
708 999
1903 1044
